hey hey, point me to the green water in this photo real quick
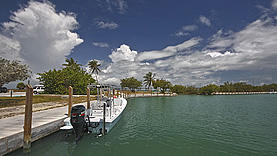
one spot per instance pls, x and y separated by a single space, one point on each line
177 126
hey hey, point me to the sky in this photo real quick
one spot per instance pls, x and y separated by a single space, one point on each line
186 42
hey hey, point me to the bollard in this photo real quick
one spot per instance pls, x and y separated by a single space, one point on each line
28 119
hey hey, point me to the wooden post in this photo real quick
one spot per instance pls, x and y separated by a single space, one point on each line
11 93
107 93
117 93
104 119
135 93
100 97
143 92
28 119
70 93
88 98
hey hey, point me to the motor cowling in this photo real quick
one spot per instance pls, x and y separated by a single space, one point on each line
77 120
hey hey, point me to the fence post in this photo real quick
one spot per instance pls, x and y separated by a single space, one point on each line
88 98
70 93
28 119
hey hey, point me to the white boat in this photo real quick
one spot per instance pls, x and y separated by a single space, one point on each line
102 114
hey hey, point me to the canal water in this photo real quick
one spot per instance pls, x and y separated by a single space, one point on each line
177 126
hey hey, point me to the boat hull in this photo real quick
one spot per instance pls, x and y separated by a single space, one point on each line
94 118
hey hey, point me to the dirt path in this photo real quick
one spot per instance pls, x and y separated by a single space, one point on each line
12 111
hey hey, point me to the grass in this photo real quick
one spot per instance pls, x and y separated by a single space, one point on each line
16 101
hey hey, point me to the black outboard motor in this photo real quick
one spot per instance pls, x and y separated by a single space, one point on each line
77 120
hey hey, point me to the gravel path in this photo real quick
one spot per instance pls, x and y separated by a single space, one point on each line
16 110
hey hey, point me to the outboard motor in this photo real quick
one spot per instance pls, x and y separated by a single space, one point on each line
77 120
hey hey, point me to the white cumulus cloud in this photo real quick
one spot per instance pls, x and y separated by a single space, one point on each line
123 53
39 36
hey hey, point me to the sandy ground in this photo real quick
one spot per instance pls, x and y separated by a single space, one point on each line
12 111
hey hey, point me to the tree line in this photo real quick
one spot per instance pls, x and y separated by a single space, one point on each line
150 80
226 87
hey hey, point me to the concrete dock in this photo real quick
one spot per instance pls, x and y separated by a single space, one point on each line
43 123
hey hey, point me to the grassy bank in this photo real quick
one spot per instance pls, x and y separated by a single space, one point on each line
17 101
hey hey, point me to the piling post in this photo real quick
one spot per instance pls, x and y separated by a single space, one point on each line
11 93
100 97
70 93
135 93
28 119
117 93
88 98
104 119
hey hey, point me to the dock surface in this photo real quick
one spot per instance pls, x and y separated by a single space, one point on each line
43 123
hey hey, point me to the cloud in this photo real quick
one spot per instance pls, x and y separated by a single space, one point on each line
39 36
222 39
248 54
185 30
123 53
189 27
168 51
204 20
274 4
119 6
181 33
101 44
107 25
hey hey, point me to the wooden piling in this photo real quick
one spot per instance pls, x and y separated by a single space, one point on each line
11 93
104 119
70 100
88 98
28 119
100 97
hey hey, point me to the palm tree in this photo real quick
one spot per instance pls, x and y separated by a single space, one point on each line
148 78
71 63
93 65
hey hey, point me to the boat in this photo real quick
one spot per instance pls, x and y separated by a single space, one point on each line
100 118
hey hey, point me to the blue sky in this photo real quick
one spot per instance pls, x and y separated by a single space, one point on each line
186 42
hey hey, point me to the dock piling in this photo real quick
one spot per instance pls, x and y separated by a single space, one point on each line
88 98
70 93
28 119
